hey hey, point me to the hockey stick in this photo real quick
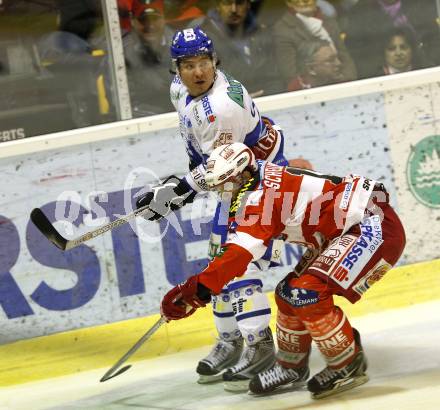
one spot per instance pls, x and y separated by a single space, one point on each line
113 371
43 224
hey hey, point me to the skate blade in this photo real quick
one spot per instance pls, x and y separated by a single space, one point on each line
297 386
215 378
240 386
356 382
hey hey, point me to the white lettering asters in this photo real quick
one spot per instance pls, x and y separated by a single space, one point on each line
254 245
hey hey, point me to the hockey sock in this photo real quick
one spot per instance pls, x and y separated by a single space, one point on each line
334 338
224 316
309 299
293 340
251 307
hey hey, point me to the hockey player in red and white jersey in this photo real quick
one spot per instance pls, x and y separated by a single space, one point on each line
353 237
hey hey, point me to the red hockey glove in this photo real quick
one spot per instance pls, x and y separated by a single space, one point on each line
184 299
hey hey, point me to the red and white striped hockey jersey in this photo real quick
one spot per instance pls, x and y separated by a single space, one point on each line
304 206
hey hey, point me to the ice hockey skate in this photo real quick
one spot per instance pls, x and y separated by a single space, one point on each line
330 381
254 359
223 355
278 377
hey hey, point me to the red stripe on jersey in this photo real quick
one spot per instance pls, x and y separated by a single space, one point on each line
223 268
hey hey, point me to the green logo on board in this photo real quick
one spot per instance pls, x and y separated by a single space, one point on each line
423 171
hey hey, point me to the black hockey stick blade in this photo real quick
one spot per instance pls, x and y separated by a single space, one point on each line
47 229
108 375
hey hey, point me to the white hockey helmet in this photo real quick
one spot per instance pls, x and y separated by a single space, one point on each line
227 163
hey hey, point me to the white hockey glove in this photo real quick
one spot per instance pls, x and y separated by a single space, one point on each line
165 198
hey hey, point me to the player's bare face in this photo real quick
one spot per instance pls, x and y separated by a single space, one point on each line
304 7
197 73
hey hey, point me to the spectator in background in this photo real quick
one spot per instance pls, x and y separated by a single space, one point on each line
146 49
243 46
400 53
318 64
302 23
181 14
269 12
369 21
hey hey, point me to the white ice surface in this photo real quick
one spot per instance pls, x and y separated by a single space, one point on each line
402 346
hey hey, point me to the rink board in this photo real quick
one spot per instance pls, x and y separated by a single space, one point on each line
387 133
102 346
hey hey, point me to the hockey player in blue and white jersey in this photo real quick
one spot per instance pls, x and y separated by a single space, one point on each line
215 109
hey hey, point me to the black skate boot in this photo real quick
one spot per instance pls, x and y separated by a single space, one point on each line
223 355
254 359
278 377
329 381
